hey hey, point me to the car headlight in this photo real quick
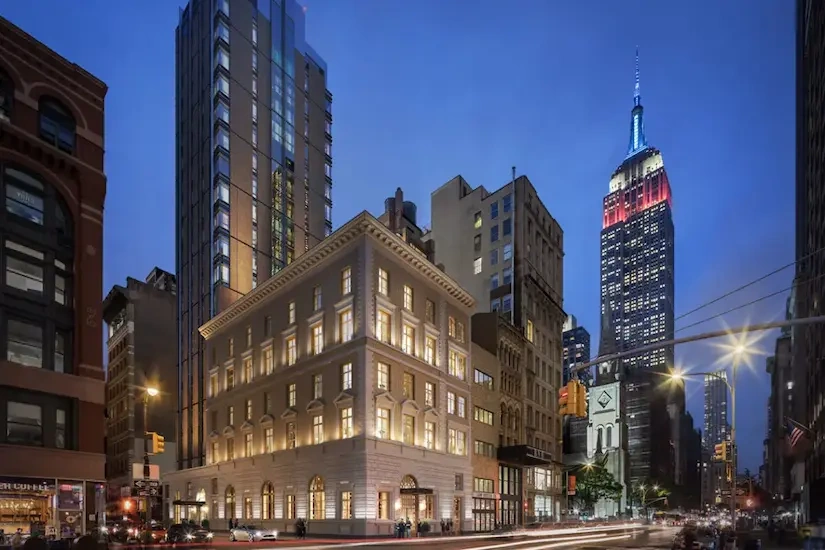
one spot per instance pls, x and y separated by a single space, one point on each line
259 534
210 535
275 534
189 536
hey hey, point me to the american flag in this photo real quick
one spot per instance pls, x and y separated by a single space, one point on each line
793 432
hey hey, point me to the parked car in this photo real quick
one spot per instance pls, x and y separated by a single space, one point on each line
251 533
181 532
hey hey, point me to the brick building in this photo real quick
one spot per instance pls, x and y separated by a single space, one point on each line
51 228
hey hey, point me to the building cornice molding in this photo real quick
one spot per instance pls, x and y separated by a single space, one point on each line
363 224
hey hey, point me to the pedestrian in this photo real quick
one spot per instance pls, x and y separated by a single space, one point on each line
443 527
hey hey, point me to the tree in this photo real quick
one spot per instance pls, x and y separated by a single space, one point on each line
594 482
651 495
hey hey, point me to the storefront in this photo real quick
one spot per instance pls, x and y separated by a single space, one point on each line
51 507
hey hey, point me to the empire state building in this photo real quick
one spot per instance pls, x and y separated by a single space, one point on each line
637 296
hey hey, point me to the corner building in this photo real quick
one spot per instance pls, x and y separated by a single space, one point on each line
334 392
253 169
52 394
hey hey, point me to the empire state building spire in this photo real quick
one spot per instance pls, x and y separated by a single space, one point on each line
638 142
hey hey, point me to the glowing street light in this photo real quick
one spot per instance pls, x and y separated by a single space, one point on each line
152 392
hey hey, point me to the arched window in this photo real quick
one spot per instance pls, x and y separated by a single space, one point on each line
609 440
316 498
38 282
409 482
267 501
229 503
599 439
6 95
57 125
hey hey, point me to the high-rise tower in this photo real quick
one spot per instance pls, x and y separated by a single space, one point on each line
637 295
253 169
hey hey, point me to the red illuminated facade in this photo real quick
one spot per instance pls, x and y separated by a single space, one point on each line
639 195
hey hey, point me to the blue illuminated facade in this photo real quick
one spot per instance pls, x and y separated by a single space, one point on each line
638 142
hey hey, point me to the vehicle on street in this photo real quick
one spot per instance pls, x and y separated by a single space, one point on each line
181 532
251 533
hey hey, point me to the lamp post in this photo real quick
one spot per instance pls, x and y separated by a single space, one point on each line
738 351
643 496
150 392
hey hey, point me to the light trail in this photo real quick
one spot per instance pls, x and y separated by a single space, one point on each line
558 542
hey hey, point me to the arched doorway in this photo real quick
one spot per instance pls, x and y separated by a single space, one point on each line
317 499
409 499
267 501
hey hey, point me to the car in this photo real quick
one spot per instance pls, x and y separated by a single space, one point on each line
182 532
155 533
251 533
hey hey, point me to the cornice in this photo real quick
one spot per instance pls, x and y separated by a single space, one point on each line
362 224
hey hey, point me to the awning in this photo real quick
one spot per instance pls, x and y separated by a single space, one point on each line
416 491
524 455
189 502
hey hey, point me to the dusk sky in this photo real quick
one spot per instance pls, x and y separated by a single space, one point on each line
429 89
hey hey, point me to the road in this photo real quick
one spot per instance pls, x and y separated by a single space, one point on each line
644 539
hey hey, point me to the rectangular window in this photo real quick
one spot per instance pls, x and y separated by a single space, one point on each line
382 326
429 350
382 423
383 505
345 325
408 339
459 331
230 378
346 505
247 369
248 415
269 440
230 449
291 350
267 403
451 327
346 281
215 452
494 281
247 445
346 376
483 379
222 85
507 226
457 442
291 313
507 276
408 298
222 58
408 430
481 485
451 402
60 339
290 435
230 415
346 422
507 202
382 371
508 251
493 210
477 220
429 312
462 407
494 234
291 395
457 366
383 282
429 435
429 394
408 386
24 270
316 298
269 361
290 507
483 415
317 386
317 338
317 429
24 424
476 266
214 388
529 330
24 343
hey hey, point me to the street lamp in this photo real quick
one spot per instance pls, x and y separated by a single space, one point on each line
149 393
738 351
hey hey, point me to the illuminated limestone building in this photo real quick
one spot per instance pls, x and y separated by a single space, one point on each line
333 393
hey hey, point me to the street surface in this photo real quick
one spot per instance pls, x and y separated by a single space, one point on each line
642 538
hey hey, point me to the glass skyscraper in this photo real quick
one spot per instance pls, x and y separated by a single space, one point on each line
253 169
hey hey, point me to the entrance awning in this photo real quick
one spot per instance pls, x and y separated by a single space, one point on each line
189 503
416 491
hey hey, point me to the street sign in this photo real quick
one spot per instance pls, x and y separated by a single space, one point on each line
147 492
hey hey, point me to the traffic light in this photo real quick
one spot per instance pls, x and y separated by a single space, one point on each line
158 443
572 398
563 401
581 402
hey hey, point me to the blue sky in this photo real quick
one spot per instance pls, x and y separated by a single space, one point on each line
429 89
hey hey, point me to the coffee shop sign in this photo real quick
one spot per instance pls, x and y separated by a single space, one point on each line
6 486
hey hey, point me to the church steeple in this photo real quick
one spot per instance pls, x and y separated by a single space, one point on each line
638 141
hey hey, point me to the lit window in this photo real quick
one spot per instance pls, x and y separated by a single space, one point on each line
457 366
451 327
383 282
269 440
477 220
317 338
382 326
317 429
291 439
346 281
346 505
457 442
269 361
317 386
382 381
476 266
316 298
291 395
451 402
382 423
291 350
247 445
429 435
408 298
429 350
408 386
429 311
346 422
408 429
230 449
529 330
408 340
429 394
214 387
383 505
291 313
247 369
345 325
508 251
346 376
230 378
